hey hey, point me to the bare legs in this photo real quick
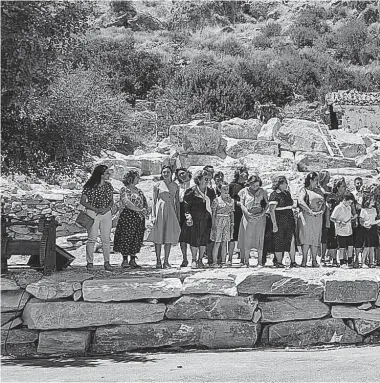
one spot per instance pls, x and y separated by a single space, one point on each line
167 247
231 248
196 260
183 246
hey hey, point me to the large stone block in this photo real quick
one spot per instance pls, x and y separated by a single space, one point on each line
69 314
369 161
210 334
197 137
106 290
7 317
63 342
241 129
14 323
351 145
352 312
364 327
300 135
13 300
188 160
241 148
312 332
276 284
19 342
310 161
209 283
212 307
269 130
282 309
48 290
357 291
8 284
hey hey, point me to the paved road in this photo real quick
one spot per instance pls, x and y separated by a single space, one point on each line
331 365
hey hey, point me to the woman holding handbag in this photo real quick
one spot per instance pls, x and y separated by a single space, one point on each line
97 198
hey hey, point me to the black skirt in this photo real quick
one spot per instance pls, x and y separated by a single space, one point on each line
129 234
371 237
198 234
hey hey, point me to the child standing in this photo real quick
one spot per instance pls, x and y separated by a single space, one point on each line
342 217
222 223
368 221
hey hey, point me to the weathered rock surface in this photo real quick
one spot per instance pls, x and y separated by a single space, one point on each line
18 342
312 332
309 161
351 145
373 338
377 303
212 307
106 290
48 290
6 317
209 283
8 284
241 129
369 161
188 160
342 311
16 322
300 135
197 137
269 130
63 342
275 284
281 309
241 148
28 276
364 327
352 172
210 334
341 291
13 300
68 314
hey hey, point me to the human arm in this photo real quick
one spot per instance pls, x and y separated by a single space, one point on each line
126 201
272 208
176 202
188 202
155 197
84 202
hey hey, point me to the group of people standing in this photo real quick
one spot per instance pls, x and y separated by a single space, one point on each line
214 217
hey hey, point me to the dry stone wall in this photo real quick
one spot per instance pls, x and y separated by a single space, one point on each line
232 308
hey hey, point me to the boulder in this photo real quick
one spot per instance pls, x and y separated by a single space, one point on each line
63 342
107 290
300 135
282 309
188 160
241 129
311 332
164 146
197 137
351 145
7 317
311 161
345 291
69 314
209 283
276 284
364 327
48 290
287 154
270 129
13 300
258 163
210 334
369 161
352 172
18 342
373 338
8 284
352 312
241 148
151 163
14 323
367 136
212 307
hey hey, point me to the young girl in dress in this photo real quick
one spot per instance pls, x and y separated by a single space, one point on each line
222 223
369 223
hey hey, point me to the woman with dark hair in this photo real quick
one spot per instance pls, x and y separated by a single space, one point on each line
219 181
183 177
240 178
323 180
166 229
129 234
281 213
97 198
253 202
198 213
312 205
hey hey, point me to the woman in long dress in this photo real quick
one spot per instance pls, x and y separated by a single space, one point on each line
312 204
253 202
166 229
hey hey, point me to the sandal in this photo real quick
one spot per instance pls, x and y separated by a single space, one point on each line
158 265
184 263
166 265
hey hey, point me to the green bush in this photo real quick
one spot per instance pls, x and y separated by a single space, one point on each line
271 29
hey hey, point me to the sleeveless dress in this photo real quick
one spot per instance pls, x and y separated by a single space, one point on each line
166 228
221 228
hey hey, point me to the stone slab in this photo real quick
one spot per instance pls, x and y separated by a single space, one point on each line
16 322
312 332
377 303
8 284
282 309
69 314
210 334
241 148
209 283
107 290
77 295
13 300
343 311
275 284
212 307
6 317
28 276
364 327
315 162
48 290
19 342
357 291
63 342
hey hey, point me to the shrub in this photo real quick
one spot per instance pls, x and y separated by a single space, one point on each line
271 29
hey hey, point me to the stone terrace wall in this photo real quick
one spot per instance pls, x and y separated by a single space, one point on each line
72 313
